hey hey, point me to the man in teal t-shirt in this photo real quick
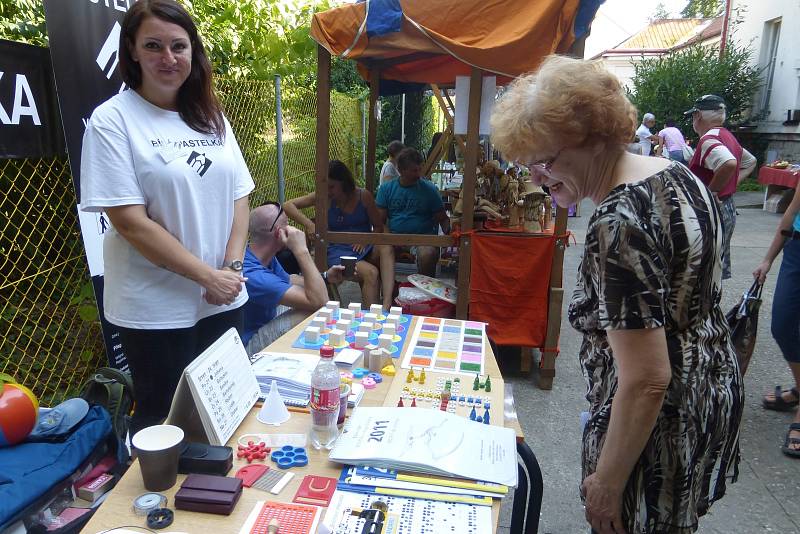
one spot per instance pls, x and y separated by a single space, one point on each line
413 206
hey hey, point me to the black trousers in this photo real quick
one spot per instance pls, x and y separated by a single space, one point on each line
157 359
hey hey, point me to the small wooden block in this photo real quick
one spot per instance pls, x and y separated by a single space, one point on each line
311 334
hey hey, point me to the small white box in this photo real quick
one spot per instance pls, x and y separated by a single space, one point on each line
332 304
389 329
385 341
392 319
365 327
362 340
311 334
348 358
343 324
378 359
319 322
355 307
396 310
327 313
370 318
377 309
336 337
347 315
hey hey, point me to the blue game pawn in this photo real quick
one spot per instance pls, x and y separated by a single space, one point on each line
472 414
479 419
486 417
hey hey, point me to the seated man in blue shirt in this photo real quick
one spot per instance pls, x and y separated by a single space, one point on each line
268 285
414 206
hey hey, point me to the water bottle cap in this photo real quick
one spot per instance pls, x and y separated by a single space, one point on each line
326 351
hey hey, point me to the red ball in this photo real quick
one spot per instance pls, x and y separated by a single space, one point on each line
19 412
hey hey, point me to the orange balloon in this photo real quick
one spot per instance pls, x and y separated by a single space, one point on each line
19 411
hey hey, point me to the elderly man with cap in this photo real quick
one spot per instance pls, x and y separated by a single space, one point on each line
268 284
720 162
646 137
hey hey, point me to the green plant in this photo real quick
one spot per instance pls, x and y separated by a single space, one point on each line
23 20
702 8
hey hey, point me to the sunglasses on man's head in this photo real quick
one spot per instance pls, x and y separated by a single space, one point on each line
278 216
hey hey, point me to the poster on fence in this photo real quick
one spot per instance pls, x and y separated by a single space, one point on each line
84 42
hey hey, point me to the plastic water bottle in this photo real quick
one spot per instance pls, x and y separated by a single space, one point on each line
324 403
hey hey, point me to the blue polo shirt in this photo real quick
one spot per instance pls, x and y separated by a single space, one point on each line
410 208
265 288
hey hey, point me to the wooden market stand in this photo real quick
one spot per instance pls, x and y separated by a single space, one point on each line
395 52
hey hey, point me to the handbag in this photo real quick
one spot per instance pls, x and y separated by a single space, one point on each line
743 323
688 153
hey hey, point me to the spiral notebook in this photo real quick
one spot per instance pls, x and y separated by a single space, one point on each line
291 372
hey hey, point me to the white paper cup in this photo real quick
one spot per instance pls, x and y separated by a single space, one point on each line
158 450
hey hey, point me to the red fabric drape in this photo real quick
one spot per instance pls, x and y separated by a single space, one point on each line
770 176
509 286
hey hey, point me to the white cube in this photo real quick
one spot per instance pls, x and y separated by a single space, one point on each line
336 337
385 341
355 307
377 309
392 319
362 339
347 315
375 360
365 327
312 334
370 317
396 310
327 313
319 322
389 329
343 324
332 304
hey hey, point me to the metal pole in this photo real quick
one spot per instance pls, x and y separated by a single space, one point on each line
279 139
364 140
403 121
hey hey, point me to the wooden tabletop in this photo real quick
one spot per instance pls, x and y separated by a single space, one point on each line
117 510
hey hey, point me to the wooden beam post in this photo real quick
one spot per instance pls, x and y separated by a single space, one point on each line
449 112
323 140
547 367
372 129
468 205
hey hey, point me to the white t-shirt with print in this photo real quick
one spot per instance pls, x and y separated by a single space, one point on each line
388 172
137 153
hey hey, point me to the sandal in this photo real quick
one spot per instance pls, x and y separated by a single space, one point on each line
794 452
778 404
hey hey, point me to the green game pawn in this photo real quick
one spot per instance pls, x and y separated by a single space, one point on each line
476 384
487 386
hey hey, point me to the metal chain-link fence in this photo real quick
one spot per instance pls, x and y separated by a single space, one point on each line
50 338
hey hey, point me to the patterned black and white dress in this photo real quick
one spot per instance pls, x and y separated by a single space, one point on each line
652 260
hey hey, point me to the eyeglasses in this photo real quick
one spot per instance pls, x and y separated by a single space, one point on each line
278 216
543 166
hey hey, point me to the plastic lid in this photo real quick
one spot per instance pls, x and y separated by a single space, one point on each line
326 351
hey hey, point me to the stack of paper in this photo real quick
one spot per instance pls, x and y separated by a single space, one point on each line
428 441
291 372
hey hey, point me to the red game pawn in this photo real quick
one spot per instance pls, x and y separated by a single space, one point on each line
400 403
414 402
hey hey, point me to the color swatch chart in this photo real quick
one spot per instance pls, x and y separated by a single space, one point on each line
447 345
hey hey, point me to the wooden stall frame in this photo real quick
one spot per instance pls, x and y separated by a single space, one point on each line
323 236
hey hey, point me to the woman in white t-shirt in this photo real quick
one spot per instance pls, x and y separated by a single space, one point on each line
162 161
389 170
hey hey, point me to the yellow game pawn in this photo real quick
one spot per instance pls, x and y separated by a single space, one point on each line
422 376
410 376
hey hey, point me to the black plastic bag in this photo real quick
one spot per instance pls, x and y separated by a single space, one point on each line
743 323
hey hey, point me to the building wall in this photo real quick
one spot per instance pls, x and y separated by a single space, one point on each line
785 95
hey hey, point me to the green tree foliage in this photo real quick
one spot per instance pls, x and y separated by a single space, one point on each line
23 21
669 85
703 8
660 12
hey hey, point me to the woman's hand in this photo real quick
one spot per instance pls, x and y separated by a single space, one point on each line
603 505
761 271
359 249
223 286
311 229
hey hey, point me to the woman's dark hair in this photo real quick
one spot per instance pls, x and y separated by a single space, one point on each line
408 157
670 123
196 102
394 148
338 171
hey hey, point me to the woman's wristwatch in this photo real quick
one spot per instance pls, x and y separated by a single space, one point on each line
235 265
325 276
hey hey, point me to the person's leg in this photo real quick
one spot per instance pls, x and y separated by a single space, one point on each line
728 212
156 360
427 258
211 328
367 276
382 256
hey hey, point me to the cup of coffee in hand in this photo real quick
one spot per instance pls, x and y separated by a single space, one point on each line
349 263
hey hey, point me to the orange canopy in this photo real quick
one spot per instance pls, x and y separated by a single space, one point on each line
440 39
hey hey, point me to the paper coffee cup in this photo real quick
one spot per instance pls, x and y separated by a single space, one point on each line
349 263
158 450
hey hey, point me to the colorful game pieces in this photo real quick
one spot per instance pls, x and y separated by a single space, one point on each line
361 340
368 383
487 386
249 474
422 376
347 315
253 451
389 370
476 384
472 414
410 376
400 403
377 309
385 341
315 490
365 326
355 307
360 372
413 402
311 335
486 417
376 377
288 456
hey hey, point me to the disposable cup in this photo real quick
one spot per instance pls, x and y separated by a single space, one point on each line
344 392
349 263
158 450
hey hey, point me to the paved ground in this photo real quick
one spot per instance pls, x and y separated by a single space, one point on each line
764 499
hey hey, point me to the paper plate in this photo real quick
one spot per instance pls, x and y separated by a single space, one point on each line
434 287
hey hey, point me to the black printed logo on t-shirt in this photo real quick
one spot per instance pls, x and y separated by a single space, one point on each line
199 162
